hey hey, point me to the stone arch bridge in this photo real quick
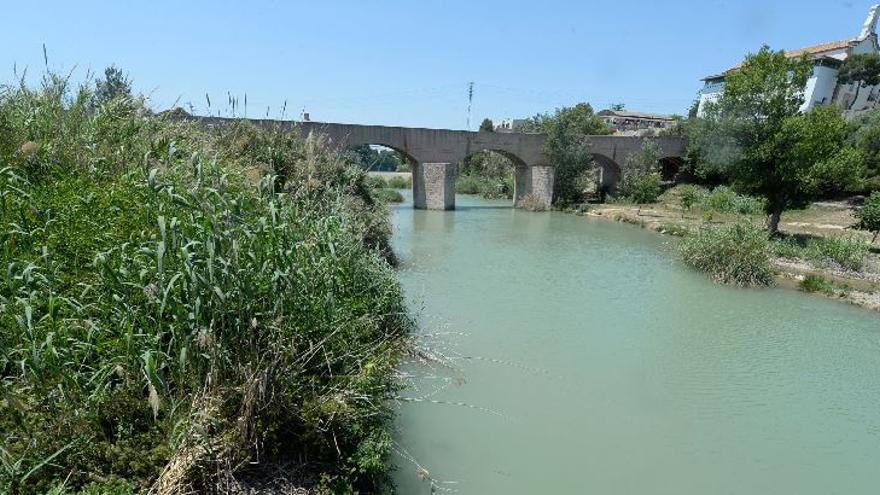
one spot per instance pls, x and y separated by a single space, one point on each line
436 154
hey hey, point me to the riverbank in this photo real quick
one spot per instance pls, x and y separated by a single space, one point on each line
820 220
188 309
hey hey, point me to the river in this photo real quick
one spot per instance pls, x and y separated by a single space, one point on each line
587 359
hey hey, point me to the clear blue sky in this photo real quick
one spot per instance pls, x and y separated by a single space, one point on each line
409 62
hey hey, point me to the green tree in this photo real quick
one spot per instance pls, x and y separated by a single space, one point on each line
865 135
869 215
115 84
756 136
641 181
567 147
617 107
862 69
487 125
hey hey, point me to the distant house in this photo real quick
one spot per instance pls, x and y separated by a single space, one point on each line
822 86
636 123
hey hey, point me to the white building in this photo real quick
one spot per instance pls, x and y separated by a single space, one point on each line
822 86
509 125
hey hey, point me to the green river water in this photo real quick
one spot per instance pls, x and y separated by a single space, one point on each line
587 359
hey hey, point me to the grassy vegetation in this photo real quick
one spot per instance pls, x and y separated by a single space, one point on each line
389 195
737 254
721 199
817 283
177 304
847 252
393 182
488 187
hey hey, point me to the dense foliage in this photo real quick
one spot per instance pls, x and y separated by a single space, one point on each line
379 159
869 215
737 254
641 182
486 173
757 138
568 149
177 305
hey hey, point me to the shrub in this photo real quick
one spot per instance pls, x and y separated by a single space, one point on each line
389 195
399 182
165 320
690 196
817 283
869 215
468 184
788 248
724 200
846 251
646 188
377 182
736 254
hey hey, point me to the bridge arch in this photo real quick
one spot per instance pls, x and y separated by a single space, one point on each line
609 173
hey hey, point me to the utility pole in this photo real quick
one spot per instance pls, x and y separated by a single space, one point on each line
470 100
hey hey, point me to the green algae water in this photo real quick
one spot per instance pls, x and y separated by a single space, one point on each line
584 358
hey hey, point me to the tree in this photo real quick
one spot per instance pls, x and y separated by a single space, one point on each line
114 85
618 107
869 215
487 125
862 69
567 147
756 136
641 181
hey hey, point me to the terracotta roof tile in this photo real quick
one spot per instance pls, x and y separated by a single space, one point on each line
814 51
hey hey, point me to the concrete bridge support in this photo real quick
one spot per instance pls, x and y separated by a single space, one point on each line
434 186
535 180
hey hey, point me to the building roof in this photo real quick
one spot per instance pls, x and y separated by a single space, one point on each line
822 50
634 115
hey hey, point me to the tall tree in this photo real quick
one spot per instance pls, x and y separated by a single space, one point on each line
756 136
862 69
567 147
487 125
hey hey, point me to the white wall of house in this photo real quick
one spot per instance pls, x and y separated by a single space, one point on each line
820 87
710 93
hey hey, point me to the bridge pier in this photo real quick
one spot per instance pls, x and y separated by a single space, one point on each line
534 180
434 186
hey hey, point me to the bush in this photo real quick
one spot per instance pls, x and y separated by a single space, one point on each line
646 188
736 254
177 303
377 182
848 252
468 184
399 182
817 283
690 196
724 200
788 248
389 195
869 215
